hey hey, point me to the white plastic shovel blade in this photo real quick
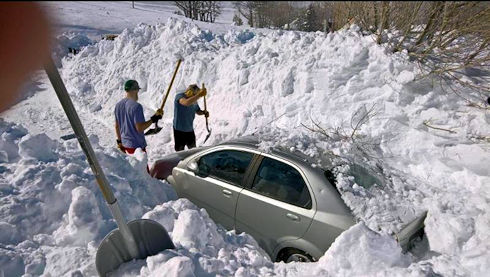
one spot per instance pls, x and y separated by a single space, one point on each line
151 238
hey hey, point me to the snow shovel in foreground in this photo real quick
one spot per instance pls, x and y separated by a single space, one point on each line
206 109
158 129
139 238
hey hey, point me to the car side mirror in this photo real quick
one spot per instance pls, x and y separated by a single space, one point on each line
200 170
192 166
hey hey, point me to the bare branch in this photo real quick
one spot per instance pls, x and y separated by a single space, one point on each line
427 123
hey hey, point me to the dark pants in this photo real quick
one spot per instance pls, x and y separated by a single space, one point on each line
184 138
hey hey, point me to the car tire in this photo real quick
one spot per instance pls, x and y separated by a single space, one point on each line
295 255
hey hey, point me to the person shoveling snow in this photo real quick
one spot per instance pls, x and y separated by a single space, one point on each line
185 109
130 120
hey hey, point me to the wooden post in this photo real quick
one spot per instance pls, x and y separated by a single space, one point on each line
133 4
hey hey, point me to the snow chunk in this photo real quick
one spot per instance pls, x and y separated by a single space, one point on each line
39 147
83 219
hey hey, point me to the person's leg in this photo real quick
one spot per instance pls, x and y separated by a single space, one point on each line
147 167
191 140
179 140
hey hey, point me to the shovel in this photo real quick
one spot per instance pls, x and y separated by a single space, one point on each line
206 109
158 129
139 238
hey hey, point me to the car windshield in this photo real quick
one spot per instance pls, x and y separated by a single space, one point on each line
362 176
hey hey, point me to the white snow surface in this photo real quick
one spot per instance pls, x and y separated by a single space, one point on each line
273 84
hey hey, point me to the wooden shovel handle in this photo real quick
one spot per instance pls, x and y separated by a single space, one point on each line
170 85
205 106
205 109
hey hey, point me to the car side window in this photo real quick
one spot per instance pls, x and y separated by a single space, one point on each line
227 165
281 181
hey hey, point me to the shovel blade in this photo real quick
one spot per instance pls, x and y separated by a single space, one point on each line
209 134
151 238
153 131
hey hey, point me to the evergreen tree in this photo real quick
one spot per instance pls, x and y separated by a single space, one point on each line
309 20
237 20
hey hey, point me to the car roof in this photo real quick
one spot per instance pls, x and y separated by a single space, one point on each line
253 143
325 164
248 141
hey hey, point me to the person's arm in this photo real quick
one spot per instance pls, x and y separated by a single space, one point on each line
193 99
118 135
142 125
189 101
201 112
118 131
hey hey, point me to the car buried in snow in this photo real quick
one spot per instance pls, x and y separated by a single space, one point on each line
292 209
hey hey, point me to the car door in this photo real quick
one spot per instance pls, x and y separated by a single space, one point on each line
277 206
216 184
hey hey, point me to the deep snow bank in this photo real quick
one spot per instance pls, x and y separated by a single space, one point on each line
284 80
49 197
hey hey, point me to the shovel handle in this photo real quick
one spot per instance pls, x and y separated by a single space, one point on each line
205 106
67 104
170 85
205 109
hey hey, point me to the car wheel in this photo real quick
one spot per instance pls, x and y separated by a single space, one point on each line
295 255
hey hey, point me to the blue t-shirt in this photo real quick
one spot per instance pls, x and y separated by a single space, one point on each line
184 115
129 112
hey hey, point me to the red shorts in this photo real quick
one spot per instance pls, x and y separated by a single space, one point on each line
131 151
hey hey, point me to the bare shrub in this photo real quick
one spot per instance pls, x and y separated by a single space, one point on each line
353 136
449 40
206 11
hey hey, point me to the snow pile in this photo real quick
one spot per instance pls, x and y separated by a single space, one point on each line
357 252
202 247
66 42
284 81
49 197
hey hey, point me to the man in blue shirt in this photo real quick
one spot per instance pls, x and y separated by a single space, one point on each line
130 120
185 109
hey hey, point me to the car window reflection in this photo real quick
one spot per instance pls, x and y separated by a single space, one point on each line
227 165
281 181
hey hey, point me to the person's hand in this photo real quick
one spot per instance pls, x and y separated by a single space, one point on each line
120 146
156 117
206 113
202 92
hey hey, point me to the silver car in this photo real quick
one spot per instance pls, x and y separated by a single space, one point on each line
292 209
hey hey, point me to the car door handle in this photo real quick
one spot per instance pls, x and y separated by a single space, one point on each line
292 216
227 192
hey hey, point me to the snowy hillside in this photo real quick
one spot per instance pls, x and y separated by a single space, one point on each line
273 84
